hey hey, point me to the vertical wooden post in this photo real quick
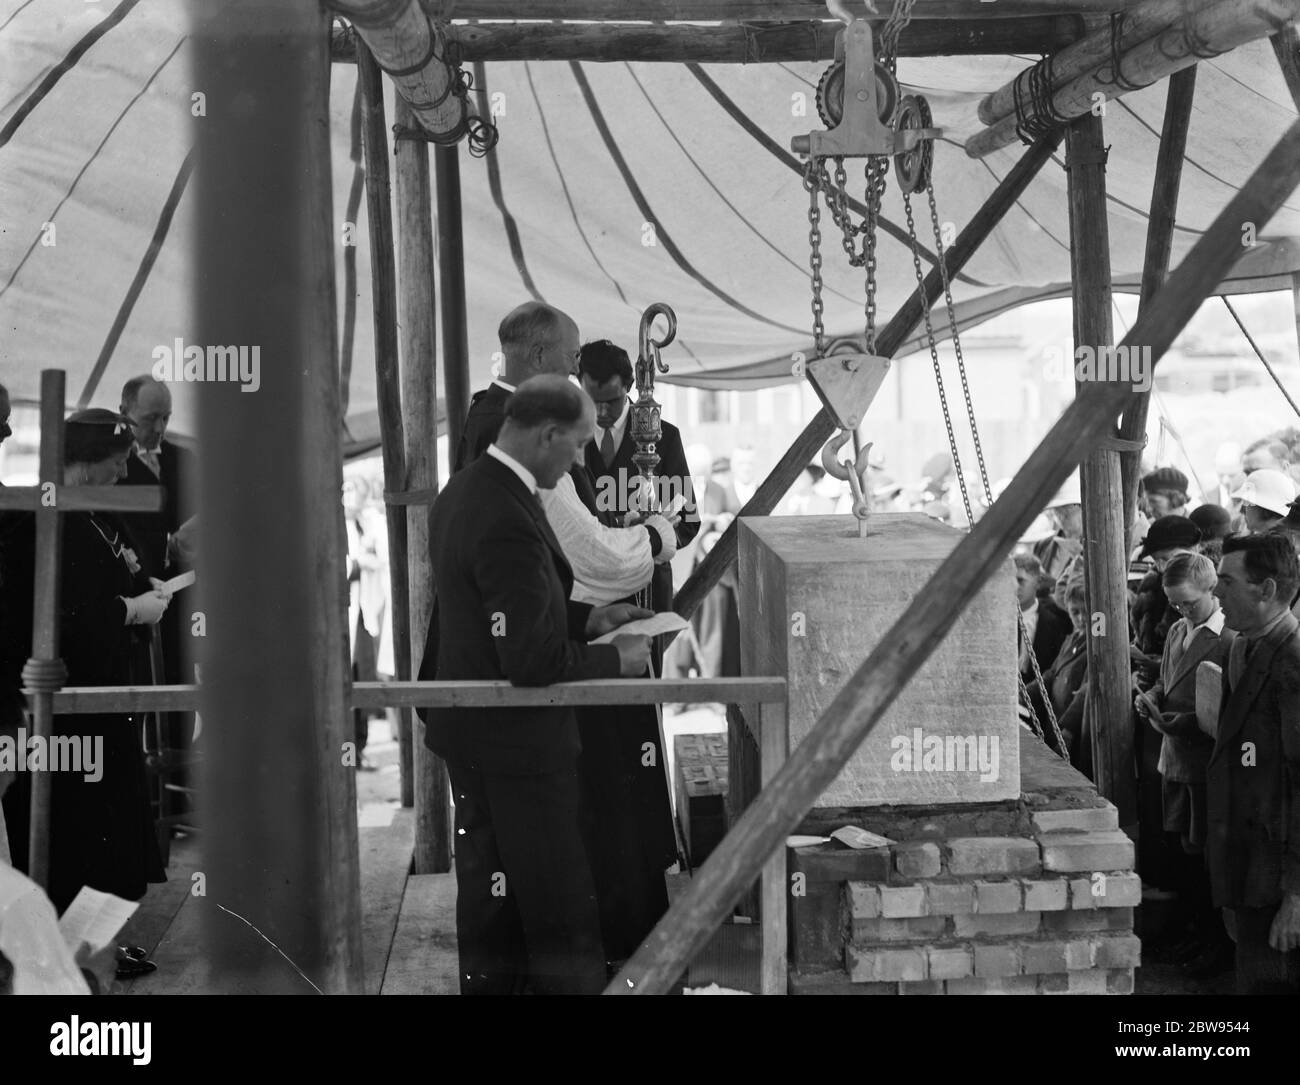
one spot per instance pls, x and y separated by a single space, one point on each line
774 744
1155 267
388 391
451 285
418 327
45 617
280 840
1105 545
1295 302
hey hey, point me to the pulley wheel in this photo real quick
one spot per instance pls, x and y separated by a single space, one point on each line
912 168
830 94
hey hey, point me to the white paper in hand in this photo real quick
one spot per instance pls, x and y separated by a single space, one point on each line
95 918
667 622
176 583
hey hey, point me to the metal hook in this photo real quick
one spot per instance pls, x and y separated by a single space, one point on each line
837 9
649 345
850 471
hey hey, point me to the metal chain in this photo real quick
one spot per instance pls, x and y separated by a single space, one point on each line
877 172
975 437
815 253
899 16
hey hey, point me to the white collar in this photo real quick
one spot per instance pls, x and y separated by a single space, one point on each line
502 384
525 475
137 449
1032 608
1214 623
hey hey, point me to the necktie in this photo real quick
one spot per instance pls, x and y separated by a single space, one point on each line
607 447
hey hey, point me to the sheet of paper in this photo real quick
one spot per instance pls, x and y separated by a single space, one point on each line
94 918
798 841
667 622
172 586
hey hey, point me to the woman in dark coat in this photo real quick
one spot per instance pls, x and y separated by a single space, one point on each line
102 830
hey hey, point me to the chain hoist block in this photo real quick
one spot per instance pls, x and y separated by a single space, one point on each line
913 166
846 384
830 94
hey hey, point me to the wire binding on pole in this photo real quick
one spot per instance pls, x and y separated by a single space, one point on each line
44 675
1116 60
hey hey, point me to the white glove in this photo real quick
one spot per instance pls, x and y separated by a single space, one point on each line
667 537
146 609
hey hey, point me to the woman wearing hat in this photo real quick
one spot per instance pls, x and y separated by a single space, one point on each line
102 831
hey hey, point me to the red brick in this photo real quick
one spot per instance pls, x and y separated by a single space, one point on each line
1005 985
1119 981
876 965
866 931
1098 919
1056 955
1081 819
864 900
819 922
1123 890
902 901
1054 983
998 897
1046 895
951 962
1007 923
950 898
992 855
923 987
997 960
1069 852
919 859
1119 951
1088 983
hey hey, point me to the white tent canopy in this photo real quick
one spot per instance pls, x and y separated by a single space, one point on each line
96 133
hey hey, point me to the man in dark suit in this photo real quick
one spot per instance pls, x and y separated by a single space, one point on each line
1046 623
155 461
1253 778
606 374
1169 708
526 908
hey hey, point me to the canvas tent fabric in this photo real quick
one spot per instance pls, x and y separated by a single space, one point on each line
614 185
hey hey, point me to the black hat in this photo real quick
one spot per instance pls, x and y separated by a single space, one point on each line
1165 479
1213 520
94 435
1169 532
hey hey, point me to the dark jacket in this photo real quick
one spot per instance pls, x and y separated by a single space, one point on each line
1152 617
613 483
178 473
1050 633
1253 779
1185 750
503 586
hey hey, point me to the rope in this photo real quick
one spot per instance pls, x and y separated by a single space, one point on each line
1116 60
1259 354
1033 97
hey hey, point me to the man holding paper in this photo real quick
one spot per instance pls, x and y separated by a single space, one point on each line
526 913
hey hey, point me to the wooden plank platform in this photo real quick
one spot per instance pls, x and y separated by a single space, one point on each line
385 865
423 960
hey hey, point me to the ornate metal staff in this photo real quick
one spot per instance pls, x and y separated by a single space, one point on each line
645 420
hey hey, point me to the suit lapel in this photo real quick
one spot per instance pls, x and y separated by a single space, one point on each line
1237 702
1203 643
533 507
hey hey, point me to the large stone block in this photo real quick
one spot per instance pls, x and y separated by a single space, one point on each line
815 599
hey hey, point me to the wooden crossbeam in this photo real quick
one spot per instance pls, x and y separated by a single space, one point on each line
746 10
809 443
467 694
730 43
904 649
83 498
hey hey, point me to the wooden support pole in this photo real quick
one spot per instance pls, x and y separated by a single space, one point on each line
388 389
749 10
451 285
1155 266
732 44
809 443
1105 550
902 651
278 802
419 397
1141 22
45 616
1217 27
1286 47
